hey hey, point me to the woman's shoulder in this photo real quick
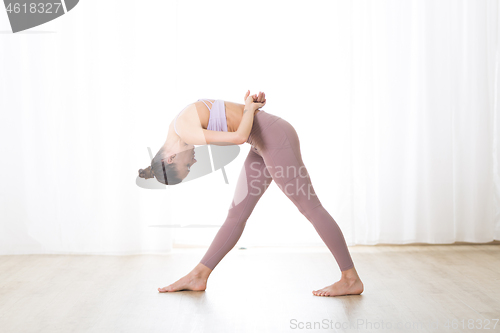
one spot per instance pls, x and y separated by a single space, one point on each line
191 115
190 108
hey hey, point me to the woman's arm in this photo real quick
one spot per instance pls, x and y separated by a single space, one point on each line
246 123
252 103
196 135
205 137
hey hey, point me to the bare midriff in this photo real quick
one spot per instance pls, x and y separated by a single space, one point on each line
234 113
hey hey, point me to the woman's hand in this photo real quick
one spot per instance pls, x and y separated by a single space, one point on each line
255 102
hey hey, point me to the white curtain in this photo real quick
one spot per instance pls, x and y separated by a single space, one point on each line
396 104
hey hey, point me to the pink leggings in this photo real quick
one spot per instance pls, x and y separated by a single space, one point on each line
275 155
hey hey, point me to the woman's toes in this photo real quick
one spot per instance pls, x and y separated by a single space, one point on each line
321 292
164 289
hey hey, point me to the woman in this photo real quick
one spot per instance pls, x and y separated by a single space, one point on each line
275 155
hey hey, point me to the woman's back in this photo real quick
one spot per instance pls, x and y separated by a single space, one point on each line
233 112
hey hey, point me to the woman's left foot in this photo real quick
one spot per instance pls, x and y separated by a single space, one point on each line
188 282
342 287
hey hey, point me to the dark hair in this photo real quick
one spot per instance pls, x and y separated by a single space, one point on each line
164 172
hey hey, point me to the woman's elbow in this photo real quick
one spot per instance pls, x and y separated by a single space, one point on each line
239 140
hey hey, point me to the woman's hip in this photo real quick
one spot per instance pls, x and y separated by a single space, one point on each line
270 131
277 142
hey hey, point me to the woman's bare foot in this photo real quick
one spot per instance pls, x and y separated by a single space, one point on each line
196 280
349 284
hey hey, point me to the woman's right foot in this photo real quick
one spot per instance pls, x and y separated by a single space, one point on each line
342 287
349 284
188 282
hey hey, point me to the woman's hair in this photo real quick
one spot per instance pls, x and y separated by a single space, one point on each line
164 172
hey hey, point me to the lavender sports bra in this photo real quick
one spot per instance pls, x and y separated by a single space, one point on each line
217 120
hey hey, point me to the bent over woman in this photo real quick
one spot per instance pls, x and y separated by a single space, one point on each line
274 156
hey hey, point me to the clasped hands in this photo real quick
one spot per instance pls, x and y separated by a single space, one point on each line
255 102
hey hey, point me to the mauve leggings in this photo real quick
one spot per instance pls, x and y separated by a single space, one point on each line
275 147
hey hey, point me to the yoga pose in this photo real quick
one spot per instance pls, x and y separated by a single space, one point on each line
275 156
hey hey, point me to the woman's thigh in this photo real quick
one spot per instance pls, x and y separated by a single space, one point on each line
280 149
253 181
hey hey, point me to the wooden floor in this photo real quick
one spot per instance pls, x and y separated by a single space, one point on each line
422 288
